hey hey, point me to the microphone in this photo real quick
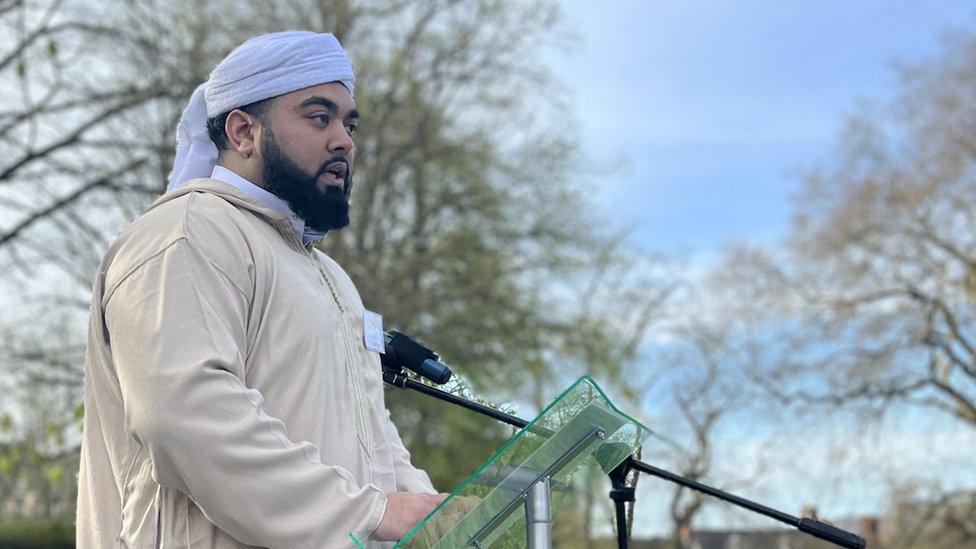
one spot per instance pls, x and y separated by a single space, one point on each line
403 352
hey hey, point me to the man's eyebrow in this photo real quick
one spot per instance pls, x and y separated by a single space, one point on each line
327 103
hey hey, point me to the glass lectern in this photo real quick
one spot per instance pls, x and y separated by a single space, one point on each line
514 497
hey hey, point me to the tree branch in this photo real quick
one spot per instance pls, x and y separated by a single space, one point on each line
40 214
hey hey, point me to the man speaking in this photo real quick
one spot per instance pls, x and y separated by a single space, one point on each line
230 397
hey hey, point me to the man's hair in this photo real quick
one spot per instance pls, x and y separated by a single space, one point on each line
215 125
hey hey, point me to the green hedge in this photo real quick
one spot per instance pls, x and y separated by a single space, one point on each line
37 534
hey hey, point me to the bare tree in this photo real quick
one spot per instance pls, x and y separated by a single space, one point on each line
924 517
705 368
467 217
871 301
38 426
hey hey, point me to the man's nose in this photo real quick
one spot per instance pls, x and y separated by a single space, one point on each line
340 140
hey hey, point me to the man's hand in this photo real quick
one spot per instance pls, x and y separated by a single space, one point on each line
403 511
445 520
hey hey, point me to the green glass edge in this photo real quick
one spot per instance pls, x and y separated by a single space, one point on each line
613 406
518 435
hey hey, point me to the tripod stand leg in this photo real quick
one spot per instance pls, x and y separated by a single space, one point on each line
621 524
620 493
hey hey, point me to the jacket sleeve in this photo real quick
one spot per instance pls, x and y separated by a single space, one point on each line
177 326
409 478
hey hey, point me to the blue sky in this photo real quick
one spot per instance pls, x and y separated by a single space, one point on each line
712 108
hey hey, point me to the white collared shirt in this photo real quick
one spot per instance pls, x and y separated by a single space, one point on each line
230 177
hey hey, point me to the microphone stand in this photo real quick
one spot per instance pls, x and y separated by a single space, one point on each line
620 493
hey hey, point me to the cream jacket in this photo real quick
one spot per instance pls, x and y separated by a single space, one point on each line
229 397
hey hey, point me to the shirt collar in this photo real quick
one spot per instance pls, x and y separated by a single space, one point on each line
307 235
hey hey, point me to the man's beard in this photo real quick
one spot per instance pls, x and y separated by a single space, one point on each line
321 211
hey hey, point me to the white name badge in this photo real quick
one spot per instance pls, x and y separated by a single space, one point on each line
373 331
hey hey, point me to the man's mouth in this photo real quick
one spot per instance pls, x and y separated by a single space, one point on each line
335 173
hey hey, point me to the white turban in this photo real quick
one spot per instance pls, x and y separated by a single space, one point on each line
264 66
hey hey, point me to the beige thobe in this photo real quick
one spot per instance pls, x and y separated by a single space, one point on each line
229 397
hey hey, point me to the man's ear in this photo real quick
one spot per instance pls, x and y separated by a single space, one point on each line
241 132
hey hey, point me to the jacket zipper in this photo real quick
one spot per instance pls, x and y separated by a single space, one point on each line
350 341
311 256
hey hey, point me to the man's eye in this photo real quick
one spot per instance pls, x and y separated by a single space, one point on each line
351 128
324 118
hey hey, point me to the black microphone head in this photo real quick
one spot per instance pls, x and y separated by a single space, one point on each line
435 371
402 351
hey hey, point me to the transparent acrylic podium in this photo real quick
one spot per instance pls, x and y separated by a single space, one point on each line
513 499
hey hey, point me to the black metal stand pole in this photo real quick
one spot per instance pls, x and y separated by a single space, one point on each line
398 379
618 476
620 493
813 527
